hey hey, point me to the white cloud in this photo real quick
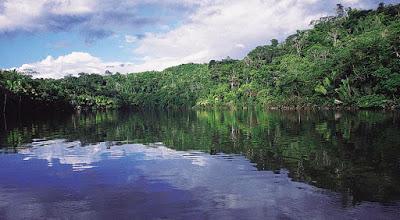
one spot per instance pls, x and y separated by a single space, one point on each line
215 30
27 15
73 63
43 15
130 39
225 28
231 28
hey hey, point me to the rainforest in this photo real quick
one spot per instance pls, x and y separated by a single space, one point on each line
351 60
304 126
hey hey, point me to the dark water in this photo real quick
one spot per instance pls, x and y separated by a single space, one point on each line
201 165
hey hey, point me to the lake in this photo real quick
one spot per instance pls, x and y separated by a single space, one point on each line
201 165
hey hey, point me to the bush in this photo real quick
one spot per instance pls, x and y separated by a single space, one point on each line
372 101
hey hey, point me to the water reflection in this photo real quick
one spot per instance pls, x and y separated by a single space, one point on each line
84 157
203 164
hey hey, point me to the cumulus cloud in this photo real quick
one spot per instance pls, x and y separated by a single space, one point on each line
232 28
212 29
224 28
28 15
72 64
93 18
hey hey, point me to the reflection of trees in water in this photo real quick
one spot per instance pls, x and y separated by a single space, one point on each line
355 153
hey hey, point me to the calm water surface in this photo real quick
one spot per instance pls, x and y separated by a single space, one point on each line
201 165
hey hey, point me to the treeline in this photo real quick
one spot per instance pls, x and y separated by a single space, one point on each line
351 60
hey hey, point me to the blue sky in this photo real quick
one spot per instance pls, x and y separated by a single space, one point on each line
59 37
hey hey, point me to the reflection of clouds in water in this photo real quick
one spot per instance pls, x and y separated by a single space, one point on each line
225 178
219 184
83 157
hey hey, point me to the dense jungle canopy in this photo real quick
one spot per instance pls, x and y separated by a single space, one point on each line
351 60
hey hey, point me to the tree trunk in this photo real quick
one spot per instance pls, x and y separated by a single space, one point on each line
5 103
19 104
397 53
5 123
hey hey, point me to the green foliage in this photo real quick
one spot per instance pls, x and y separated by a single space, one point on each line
345 92
351 60
372 101
321 89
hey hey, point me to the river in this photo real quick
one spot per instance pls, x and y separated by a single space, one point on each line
201 165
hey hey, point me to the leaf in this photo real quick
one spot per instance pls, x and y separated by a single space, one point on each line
321 89
327 82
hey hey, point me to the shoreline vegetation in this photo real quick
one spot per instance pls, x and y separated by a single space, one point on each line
347 61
